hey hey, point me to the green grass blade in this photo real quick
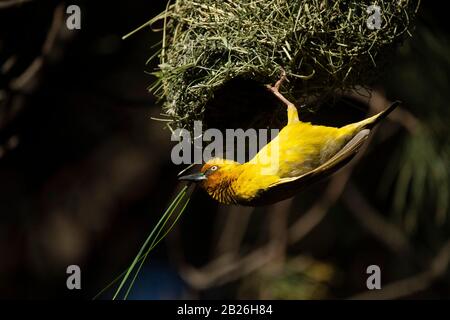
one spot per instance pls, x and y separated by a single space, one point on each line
147 241
156 240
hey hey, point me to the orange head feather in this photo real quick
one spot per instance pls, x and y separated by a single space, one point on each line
217 177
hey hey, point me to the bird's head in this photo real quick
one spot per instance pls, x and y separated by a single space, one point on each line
216 177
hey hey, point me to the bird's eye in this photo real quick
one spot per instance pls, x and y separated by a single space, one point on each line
214 168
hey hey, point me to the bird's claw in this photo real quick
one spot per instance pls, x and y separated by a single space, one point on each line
275 89
281 80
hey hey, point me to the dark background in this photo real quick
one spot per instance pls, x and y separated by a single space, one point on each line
85 173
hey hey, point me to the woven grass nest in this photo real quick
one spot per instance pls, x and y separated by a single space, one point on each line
217 55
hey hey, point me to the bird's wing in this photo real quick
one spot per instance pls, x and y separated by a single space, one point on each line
335 162
290 186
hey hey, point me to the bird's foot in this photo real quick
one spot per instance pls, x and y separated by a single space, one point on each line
275 89
281 80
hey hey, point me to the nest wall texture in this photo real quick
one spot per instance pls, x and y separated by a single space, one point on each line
324 46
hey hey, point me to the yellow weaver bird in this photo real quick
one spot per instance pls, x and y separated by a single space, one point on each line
299 155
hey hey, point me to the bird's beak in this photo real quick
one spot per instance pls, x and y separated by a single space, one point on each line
196 177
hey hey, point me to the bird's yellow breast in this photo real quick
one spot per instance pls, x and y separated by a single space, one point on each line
299 148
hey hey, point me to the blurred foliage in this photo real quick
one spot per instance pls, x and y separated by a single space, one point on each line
420 169
300 278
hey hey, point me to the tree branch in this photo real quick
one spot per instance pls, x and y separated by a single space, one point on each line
438 267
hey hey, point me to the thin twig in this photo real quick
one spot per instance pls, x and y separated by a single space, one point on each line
11 3
438 267
374 222
217 272
19 83
229 267
233 229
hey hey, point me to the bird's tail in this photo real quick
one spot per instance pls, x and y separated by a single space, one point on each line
370 122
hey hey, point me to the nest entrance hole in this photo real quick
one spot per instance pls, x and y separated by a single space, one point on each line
243 103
